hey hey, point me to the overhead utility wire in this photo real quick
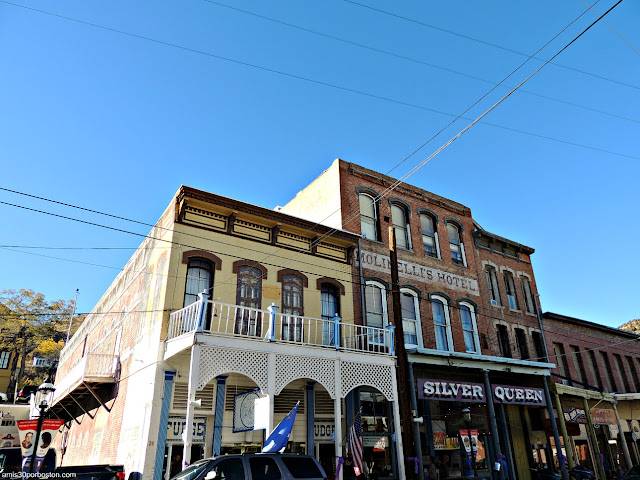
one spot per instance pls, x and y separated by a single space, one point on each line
311 80
615 31
422 62
467 37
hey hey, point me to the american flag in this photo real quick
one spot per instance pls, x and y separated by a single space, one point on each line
355 440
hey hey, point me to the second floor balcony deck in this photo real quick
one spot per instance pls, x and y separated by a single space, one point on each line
237 321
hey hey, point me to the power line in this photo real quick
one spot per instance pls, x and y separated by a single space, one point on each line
418 61
306 79
615 31
477 40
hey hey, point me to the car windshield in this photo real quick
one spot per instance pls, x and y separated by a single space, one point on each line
193 471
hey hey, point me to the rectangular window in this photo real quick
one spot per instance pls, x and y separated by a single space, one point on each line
503 341
613 387
292 308
401 227
441 324
456 245
330 307
409 319
368 217
538 345
4 359
511 291
563 371
521 342
249 295
595 370
634 373
375 298
429 236
578 364
492 282
621 372
526 294
467 315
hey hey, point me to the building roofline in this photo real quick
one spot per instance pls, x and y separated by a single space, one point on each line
519 246
274 215
585 323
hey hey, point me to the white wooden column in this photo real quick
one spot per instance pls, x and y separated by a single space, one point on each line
337 414
187 434
271 387
398 427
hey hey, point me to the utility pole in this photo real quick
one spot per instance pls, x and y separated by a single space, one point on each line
405 387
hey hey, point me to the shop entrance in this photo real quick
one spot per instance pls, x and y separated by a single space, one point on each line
173 455
326 455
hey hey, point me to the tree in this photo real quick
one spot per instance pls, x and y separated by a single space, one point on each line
28 322
631 326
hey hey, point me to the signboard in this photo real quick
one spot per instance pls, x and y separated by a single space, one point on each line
422 273
574 414
243 410
323 430
9 415
509 394
603 415
27 430
261 409
450 391
442 442
175 428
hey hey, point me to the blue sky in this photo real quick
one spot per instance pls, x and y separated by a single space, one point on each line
113 105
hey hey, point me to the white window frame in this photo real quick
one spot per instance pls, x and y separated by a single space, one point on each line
508 274
376 218
416 306
491 274
447 318
476 337
459 229
435 234
383 302
405 214
525 283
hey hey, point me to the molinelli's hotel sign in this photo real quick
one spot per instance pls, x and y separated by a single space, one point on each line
415 271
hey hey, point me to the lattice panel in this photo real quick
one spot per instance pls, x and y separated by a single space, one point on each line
290 368
217 361
359 374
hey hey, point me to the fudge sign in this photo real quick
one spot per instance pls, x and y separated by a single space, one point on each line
450 391
415 271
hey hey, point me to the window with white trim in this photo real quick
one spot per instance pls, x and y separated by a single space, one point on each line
429 235
376 305
399 217
368 217
469 328
442 323
492 282
409 307
330 305
511 290
456 245
199 279
526 294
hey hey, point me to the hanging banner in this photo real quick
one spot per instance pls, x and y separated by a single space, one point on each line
511 395
470 442
450 391
27 430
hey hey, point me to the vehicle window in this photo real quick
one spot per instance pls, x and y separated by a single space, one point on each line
193 471
264 468
302 467
230 469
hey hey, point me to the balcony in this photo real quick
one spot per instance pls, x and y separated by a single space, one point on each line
236 321
89 384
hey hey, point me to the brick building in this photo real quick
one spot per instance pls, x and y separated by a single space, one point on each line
596 369
467 308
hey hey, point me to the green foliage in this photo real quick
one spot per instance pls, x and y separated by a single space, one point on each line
632 326
30 323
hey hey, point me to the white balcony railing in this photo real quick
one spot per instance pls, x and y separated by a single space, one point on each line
92 367
224 319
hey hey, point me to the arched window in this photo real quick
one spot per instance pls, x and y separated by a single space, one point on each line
511 290
292 308
399 216
376 305
330 305
199 279
526 293
456 245
429 235
492 283
469 327
249 294
442 323
409 307
368 217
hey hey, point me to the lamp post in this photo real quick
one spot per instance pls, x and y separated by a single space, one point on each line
44 390
466 415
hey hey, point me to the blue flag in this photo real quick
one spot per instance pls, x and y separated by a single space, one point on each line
278 439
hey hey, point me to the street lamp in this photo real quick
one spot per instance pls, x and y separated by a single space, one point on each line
466 415
43 390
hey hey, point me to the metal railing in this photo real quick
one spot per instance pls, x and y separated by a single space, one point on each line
92 366
225 319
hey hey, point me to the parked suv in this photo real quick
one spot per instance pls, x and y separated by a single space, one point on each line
260 466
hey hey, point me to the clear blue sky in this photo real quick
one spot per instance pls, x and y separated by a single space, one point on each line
116 122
